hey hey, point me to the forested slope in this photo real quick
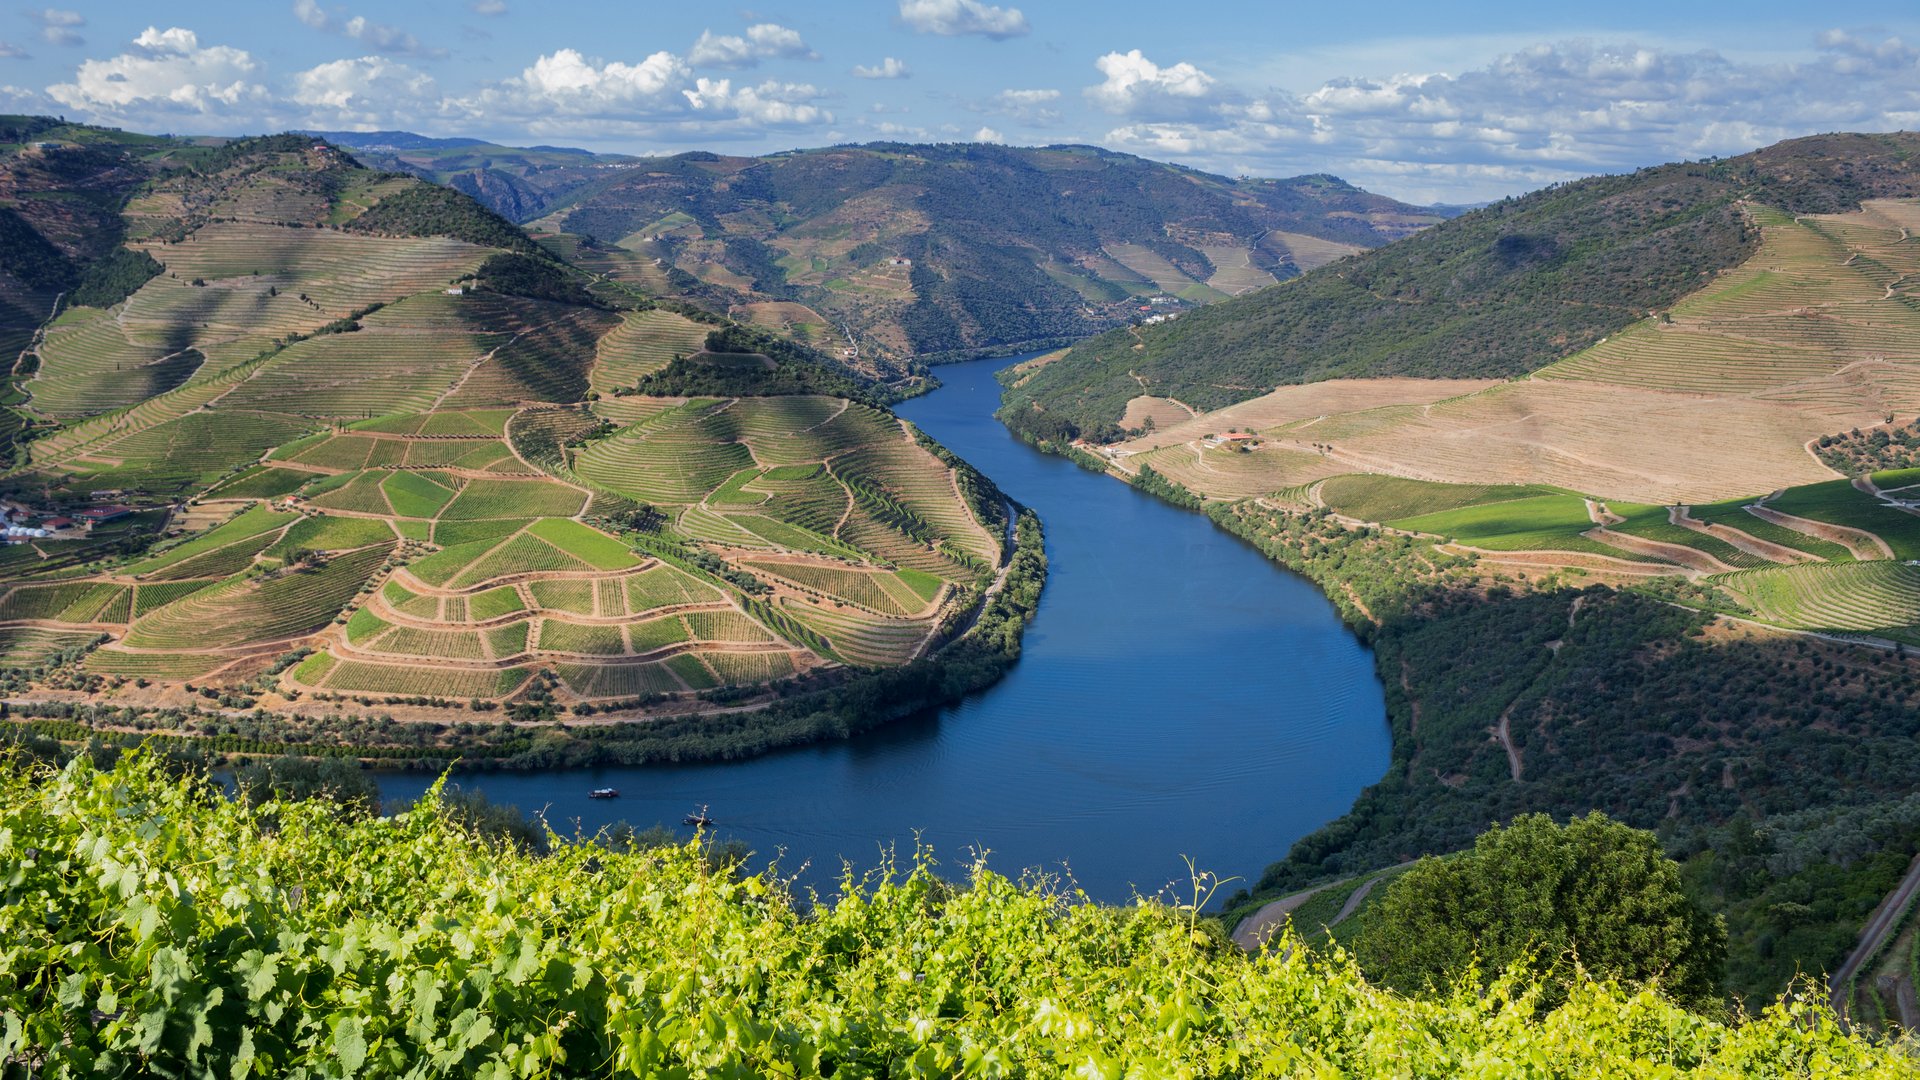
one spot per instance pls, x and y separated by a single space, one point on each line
1496 292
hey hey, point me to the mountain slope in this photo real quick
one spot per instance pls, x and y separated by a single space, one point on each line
897 250
1497 292
921 250
357 435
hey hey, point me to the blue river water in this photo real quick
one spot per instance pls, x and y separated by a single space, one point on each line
1179 697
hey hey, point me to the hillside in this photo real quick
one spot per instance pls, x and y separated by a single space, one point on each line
1494 293
344 436
518 183
899 250
326 941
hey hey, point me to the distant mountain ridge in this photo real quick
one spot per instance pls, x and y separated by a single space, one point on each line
896 249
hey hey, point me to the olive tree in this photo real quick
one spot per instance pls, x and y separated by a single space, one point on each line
1593 894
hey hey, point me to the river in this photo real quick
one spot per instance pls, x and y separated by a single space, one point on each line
1178 697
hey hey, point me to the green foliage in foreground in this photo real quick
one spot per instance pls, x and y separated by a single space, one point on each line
153 927
1594 893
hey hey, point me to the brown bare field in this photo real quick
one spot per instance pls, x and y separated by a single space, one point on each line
1224 472
797 321
1290 404
1714 400
1307 252
1233 269
1148 264
1164 412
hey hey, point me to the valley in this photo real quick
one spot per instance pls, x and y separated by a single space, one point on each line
904 253
1609 491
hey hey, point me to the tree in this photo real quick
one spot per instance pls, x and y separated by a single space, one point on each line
1594 894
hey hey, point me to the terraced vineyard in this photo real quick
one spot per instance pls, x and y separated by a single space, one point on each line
392 466
1881 599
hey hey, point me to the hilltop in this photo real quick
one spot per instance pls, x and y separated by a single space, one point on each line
1497 292
300 431
899 250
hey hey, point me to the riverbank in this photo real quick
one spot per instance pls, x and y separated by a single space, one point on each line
975 659
1776 767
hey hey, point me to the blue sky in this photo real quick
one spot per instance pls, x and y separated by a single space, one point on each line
1430 101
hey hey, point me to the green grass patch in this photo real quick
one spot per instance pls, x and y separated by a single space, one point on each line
789 474
414 495
508 640
449 533
595 548
692 671
1890 479
314 669
1653 523
514 499
577 638
327 533
1537 522
438 568
657 633
261 482
148 597
924 585
494 603
731 493
1389 498
364 626
792 537
1838 502
1733 514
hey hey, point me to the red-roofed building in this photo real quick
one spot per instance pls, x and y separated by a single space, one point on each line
94 516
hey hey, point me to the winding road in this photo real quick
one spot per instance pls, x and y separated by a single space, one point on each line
1880 929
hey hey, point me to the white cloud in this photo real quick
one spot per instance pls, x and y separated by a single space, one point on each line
657 99
771 103
10 51
763 41
59 27
163 72
1137 85
1015 98
376 36
19 99
889 68
368 92
955 17
1529 117
569 80
1029 106
487 7
988 135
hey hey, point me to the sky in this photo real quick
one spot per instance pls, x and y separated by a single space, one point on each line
1429 102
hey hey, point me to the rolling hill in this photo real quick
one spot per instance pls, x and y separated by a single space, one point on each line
344 435
902 250
1498 292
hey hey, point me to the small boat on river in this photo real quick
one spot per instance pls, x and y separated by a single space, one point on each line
698 818
604 793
